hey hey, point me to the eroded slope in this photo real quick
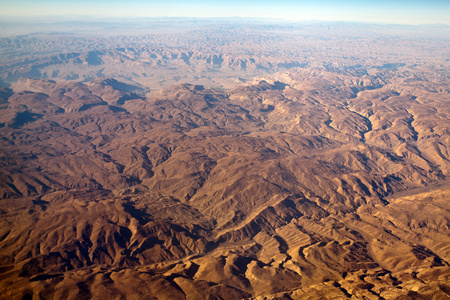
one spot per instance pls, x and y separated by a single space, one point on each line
286 186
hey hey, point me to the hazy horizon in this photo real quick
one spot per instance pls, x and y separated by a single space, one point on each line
393 12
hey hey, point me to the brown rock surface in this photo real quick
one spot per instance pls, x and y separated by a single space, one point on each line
225 159
268 190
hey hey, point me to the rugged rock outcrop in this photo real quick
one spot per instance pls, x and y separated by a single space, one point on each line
297 185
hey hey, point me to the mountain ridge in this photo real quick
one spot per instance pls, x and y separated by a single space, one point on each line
284 187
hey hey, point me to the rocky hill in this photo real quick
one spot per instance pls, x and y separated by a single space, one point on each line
303 184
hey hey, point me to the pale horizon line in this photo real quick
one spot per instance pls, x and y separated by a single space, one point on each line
80 18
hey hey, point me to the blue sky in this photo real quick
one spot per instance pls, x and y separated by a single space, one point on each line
386 11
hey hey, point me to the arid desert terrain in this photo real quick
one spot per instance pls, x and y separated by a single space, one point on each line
225 159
